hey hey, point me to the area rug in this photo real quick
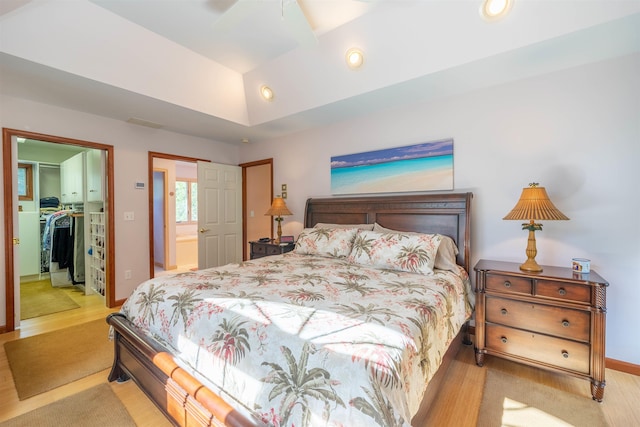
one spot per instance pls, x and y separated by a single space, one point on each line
44 362
40 298
95 407
517 402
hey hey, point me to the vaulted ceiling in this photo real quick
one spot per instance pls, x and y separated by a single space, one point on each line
195 66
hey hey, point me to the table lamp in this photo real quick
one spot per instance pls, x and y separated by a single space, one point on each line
534 204
278 209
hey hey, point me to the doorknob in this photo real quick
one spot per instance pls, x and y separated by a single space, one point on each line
16 241
203 230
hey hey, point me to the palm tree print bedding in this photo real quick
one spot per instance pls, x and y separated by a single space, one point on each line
303 340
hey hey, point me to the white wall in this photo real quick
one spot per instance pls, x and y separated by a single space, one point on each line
131 146
576 132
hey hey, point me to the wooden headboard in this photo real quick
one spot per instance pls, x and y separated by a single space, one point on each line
447 214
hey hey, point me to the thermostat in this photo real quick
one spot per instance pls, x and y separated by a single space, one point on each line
139 185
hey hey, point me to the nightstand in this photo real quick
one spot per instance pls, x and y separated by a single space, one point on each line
261 249
553 320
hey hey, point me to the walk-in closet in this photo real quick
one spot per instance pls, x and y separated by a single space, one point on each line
62 223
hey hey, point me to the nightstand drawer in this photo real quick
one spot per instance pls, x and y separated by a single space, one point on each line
563 291
537 347
508 284
546 319
262 249
273 250
259 249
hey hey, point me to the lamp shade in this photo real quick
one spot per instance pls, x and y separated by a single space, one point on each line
278 208
534 204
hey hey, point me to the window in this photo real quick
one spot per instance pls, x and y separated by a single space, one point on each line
186 201
25 181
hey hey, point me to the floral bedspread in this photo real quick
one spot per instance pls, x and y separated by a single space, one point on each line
301 340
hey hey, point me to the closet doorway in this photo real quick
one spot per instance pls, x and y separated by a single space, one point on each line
12 261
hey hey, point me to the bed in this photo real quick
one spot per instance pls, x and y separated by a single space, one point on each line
329 334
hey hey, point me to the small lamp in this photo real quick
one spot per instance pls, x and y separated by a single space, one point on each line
534 204
278 209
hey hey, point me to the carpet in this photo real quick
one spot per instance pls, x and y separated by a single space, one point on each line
95 407
44 362
40 298
517 402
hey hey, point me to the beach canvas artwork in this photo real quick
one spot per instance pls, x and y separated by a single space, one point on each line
421 167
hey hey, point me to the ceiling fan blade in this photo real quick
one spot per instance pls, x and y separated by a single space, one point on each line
298 24
234 15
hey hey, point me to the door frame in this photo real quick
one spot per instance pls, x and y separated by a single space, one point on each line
245 214
10 213
151 156
165 213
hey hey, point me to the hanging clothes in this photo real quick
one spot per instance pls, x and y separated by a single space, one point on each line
47 233
58 240
63 237
62 244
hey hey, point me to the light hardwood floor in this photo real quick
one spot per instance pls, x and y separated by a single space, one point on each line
141 409
456 405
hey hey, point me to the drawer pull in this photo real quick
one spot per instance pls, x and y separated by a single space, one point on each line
565 323
503 311
507 284
504 341
565 354
562 291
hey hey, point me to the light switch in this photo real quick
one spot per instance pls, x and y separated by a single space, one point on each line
128 216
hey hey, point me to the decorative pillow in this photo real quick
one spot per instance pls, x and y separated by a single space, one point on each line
328 242
358 226
413 252
446 257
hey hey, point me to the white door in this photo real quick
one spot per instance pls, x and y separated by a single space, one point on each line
219 214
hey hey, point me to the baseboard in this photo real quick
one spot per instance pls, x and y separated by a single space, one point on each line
619 365
616 365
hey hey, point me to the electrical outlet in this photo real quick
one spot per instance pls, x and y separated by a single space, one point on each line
127 274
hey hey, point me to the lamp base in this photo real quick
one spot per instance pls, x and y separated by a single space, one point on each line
531 265
279 219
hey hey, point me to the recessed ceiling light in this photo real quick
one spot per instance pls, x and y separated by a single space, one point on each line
266 93
495 9
355 58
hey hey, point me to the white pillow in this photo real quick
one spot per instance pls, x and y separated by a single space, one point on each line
327 242
446 257
412 252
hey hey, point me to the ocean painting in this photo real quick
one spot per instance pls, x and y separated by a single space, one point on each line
420 167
